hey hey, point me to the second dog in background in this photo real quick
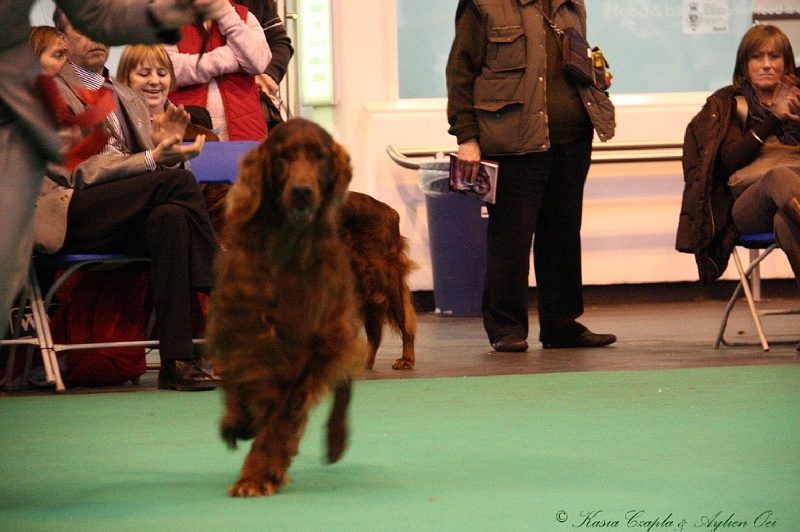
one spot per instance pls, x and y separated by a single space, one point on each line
379 256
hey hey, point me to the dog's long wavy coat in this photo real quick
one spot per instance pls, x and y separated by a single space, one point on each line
285 315
379 257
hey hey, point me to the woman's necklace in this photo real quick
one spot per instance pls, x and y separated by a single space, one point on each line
765 99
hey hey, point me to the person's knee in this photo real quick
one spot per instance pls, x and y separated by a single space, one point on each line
167 219
782 181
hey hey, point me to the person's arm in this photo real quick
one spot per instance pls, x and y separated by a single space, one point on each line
102 168
247 41
145 21
463 65
742 143
266 11
279 42
188 71
191 69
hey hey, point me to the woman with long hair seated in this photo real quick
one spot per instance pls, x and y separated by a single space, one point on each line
741 157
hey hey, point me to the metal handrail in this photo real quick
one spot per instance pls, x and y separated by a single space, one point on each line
617 152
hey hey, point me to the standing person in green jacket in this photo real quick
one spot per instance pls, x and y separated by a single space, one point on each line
510 101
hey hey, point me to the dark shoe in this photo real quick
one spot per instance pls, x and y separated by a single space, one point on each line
185 375
586 339
510 344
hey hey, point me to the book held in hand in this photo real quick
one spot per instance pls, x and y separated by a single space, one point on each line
485 185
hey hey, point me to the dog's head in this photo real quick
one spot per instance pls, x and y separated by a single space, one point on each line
293 176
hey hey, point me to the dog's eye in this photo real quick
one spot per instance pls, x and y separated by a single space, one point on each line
322 156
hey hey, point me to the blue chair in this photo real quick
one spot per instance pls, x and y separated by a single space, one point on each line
219 161
760 245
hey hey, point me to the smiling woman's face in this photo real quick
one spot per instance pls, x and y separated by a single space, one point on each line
153 81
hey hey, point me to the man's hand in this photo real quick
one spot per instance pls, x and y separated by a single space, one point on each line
176 13
469 160
170 151
212 9
173 13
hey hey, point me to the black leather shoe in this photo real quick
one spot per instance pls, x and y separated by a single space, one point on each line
586 339
510 344
185 376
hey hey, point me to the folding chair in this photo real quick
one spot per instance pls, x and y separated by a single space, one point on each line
760 245
40 305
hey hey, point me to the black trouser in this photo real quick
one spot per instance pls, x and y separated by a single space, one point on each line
161 215
539 193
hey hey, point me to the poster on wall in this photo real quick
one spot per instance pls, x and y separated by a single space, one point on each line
705 16
315 52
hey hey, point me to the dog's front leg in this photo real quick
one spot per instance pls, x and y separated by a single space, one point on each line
337 422
237 424
265 470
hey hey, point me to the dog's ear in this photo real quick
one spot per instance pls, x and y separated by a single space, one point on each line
244 197
342 170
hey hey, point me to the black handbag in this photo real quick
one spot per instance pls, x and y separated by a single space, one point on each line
271 111
577 57
582 63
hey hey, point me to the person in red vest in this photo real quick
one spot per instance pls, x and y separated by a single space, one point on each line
216 64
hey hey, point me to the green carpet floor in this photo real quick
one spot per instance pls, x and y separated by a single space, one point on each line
698 449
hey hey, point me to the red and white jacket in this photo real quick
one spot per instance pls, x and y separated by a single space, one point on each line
223 79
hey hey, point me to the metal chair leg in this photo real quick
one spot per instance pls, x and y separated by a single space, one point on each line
42 323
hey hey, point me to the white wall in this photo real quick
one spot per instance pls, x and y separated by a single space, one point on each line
631 209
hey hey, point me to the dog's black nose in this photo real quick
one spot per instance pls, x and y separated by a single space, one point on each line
301 195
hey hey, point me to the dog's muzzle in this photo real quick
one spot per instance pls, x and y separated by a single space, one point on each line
302 210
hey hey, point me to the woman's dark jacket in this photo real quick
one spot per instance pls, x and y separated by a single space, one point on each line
705 227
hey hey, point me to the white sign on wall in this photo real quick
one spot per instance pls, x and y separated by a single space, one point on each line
315 52
705 17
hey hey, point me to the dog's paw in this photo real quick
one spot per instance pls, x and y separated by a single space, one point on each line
250 487
230 434
337 442
402 363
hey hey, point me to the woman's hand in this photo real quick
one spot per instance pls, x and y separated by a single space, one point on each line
172 121
170 151
786 103
267 85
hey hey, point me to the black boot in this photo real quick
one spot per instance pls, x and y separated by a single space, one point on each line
185 375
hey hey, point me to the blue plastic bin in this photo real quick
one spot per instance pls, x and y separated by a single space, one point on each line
457 233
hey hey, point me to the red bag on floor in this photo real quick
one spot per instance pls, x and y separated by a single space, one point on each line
102 306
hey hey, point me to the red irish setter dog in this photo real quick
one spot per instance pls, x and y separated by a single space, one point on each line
285 315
